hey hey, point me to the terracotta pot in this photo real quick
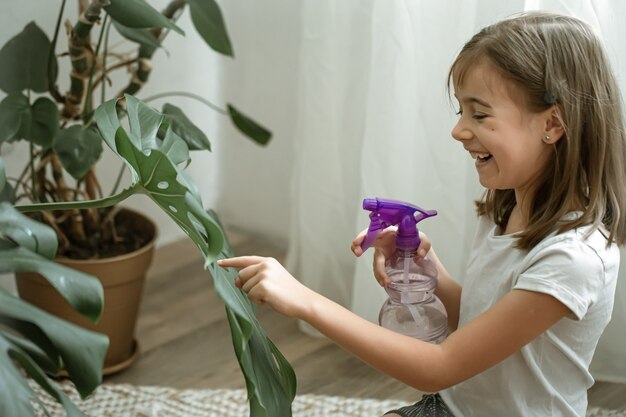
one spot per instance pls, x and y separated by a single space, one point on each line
122 278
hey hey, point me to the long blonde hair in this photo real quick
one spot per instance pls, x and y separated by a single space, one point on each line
558 61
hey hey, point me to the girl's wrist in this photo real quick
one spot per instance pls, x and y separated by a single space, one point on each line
310 308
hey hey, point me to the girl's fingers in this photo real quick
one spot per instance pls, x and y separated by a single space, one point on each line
249 271
379 268
248 284
356 243
240 262
255 296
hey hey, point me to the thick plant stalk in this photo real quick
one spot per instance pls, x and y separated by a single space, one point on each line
142 70
92 189
77 230
82 57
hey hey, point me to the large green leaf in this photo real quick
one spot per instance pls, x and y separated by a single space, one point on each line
30 246
270 380
45 356
38 342
16 396
83 360
38 123
158 178
139 14
26 232
269 377
44 123
207 19
15 112
153 163
82 291
249 127
142 36
144 124
183 127
79 147
24 61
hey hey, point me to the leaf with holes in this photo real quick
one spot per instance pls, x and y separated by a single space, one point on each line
270 380
158 177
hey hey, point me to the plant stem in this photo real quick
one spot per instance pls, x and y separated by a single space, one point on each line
190 95
52 87
81 56
100 203
144 57
88 97
104 64
113 67
34 196
118 180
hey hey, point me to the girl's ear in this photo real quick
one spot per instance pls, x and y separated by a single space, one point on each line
554 124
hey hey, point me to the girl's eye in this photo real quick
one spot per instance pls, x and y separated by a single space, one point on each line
459 113
479 116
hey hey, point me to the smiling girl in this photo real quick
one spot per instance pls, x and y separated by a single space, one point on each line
541 114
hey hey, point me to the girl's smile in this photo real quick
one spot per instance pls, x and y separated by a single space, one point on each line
502 136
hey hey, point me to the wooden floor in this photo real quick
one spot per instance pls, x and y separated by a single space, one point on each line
185 340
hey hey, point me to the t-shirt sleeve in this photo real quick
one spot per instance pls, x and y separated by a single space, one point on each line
569 270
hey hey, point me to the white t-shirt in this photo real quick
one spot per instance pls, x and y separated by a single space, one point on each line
549 376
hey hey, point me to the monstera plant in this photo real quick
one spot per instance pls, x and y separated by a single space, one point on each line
65 135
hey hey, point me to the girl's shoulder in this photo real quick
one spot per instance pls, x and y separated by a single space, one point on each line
578 267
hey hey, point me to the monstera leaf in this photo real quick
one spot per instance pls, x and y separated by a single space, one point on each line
154 164
32 341
270 380
153 153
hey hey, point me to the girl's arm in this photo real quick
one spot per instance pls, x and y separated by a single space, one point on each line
505 328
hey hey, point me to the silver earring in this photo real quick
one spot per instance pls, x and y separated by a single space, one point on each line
547 139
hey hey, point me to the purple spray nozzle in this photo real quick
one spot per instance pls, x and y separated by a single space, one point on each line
385 213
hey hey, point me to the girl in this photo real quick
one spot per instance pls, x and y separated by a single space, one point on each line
541 114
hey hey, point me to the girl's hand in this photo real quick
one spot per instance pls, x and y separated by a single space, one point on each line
265 280
384 246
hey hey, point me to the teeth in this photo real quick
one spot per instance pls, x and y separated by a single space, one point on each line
480 155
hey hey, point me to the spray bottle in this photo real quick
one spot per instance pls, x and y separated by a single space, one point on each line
412 308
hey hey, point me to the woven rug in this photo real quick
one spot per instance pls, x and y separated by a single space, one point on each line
121 400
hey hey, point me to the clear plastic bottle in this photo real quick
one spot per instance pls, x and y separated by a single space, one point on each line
412 308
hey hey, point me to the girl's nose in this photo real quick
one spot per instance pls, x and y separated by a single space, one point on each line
460 132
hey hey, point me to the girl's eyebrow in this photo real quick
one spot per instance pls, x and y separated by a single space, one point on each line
477 100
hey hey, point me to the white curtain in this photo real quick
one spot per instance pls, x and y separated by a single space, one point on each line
373 120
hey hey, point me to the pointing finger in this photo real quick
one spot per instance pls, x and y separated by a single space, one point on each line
240 261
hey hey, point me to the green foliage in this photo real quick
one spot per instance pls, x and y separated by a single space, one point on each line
24 61
139 14
155 147
207 19
249 127
79 147
270 380
37 123
33 340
